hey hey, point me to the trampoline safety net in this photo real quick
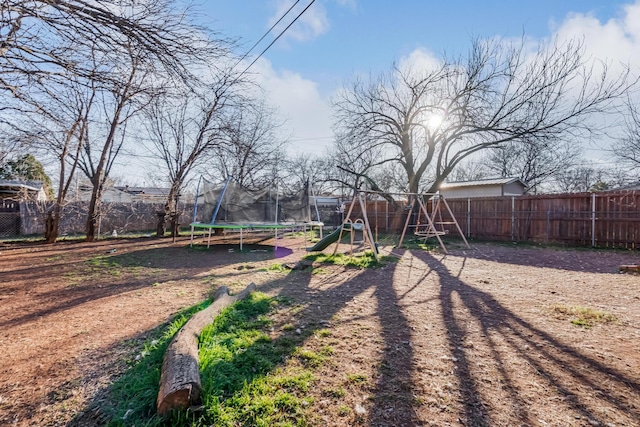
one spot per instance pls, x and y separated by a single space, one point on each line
241 206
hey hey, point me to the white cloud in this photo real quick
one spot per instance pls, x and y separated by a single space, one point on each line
351 4
420 60
312 24
298 100
614 41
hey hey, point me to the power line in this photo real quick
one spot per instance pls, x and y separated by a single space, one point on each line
276 39
265 34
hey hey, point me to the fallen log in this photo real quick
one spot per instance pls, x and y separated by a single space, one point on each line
629 269
180 385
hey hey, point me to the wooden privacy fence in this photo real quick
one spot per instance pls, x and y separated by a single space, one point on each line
606 219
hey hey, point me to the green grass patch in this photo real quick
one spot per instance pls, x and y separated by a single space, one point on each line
323 333
585 317
344 411
243 382
366 260
244 376
131 400
311 358
278 268
335 393
357 378
310 235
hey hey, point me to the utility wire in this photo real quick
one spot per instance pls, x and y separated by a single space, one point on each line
265 34
276 39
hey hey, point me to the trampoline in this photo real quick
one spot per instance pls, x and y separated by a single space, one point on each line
234 208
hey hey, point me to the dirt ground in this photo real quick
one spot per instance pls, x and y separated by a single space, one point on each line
473 338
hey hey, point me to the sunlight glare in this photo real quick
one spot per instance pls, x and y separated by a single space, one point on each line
434 122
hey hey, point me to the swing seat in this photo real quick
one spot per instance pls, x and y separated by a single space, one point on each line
430 233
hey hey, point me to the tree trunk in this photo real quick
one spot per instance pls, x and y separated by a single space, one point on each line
175 224
52 223
180 385
160 225
92 220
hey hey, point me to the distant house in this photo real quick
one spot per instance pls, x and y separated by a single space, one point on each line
13 194
127 194
146 194
109 195
19 191
630 187
483 188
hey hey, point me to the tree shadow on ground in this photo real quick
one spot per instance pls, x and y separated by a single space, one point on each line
587 260
391 391
105 275
523 354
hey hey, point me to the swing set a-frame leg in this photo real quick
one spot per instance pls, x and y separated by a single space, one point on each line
432 226
406 224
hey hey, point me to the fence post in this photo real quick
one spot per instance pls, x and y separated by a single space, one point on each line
386 218
593 219
513 218
548 225
468 216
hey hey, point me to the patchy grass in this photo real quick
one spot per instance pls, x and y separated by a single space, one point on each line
336 393
131 400
365 260
244 378
357 378
276 268
582 316
344 411
312 236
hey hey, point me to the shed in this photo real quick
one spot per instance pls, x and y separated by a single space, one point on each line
483 188
13 194
19 191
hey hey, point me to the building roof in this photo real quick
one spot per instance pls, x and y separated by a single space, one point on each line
481 182
148 191
634 186
16 185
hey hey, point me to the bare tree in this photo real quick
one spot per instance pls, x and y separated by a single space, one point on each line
471 169
53 124
130 86
589 178
535 162
430 120
46 38
253 151
302 168
183 137
627 147
121 50
8 145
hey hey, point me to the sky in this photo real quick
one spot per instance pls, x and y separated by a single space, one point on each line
335 40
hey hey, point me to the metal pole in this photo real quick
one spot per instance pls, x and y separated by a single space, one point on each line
277 200
195 205
224 190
